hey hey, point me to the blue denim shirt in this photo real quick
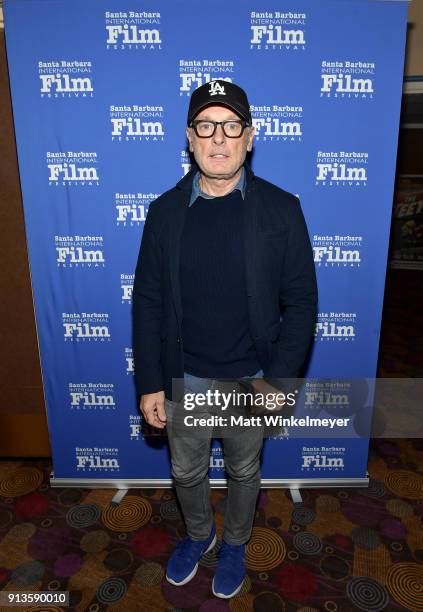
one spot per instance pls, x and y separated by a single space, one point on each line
196 191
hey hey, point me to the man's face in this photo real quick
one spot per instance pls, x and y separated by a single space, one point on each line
219 156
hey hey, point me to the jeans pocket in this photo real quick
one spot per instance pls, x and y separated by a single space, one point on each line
170 406
195 384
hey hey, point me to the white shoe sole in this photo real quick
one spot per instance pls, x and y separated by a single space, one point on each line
194 571
222 596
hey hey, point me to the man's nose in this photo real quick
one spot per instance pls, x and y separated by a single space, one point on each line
219 135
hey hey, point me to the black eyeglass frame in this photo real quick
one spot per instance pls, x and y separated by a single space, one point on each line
242 122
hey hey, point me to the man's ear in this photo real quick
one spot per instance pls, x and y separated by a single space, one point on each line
250 138
188 132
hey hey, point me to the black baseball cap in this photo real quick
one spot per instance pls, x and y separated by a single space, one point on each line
219 92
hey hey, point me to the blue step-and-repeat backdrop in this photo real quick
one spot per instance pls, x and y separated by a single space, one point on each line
100 93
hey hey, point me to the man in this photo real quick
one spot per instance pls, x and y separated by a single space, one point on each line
221 253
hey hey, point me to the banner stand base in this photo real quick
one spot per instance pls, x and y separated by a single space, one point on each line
216 483
296 495
117 498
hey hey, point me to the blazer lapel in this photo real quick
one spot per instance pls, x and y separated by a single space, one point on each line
178 212
250 234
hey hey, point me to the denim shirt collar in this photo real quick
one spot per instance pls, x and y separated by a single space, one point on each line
196 191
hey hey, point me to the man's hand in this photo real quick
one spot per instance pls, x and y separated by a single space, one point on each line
152 406
260 386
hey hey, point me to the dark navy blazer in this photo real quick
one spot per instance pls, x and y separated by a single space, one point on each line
280 277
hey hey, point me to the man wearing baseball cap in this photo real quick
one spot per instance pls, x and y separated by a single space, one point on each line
224 253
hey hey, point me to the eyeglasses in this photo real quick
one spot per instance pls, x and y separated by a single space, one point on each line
232 128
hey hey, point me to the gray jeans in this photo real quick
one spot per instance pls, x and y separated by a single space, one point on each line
190 458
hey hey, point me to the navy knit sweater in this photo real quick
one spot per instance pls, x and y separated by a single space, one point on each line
215 331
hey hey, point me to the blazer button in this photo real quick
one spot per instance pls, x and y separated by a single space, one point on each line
178 339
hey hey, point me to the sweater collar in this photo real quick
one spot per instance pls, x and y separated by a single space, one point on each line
186 183
196 189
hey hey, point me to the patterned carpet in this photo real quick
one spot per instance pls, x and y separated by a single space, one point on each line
340 550
344 549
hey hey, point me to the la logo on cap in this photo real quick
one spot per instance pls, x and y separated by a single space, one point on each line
216 88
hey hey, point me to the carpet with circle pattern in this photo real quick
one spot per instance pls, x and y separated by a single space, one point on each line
339 550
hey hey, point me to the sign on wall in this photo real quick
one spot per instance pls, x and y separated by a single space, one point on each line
100 96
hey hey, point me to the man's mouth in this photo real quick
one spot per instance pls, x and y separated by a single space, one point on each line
219 156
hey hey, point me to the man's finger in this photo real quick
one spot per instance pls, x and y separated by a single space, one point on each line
149 416
155 416
161 412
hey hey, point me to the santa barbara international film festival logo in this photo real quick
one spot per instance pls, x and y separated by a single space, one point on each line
139 30
277 123
185 162
72 168
129 361
97 459
132 208
126 287
326 458
65 79
139 429
344 79
217 461
194 73
86 327
130 123
135 427
337 251
327 394
341 169
335 326
79 251
92 396
272 30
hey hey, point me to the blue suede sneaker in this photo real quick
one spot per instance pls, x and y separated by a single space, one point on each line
230 571
183 563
